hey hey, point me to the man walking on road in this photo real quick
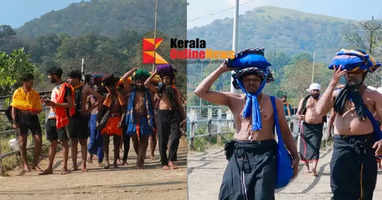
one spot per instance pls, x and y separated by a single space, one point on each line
311 131
251 172
357 137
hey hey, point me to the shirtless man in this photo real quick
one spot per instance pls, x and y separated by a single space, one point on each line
139 122
357 140
250 148
78 126
171 114
311 131
109 118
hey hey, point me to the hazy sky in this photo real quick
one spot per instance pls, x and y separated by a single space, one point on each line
201 12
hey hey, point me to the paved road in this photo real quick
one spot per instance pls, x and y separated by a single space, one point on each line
205 172
97 184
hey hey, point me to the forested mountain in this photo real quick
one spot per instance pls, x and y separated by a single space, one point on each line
290 38
107 33
280 29
110 18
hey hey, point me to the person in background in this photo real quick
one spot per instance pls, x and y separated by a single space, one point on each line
287 107
312 126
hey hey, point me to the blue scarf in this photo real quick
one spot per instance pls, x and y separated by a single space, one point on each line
147 124
252 105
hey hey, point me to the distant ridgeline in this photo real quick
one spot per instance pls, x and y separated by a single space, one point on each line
280 29
110 18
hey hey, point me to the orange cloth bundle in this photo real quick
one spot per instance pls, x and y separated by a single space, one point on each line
112 126
26 101
62 119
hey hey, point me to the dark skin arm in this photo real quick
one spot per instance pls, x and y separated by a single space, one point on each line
13 114
287 137
299 110
325 103
378 108
219 98
330 123
149 85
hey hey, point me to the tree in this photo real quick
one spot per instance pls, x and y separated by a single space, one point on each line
12 66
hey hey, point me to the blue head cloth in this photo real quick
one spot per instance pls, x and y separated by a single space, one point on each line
353 60
251 61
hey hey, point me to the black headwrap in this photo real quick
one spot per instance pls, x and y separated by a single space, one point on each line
352 93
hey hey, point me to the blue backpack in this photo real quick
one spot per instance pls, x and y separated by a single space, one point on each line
284 163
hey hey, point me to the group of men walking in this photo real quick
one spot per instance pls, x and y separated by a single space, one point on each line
253 159
140 106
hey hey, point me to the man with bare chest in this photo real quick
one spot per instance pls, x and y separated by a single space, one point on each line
311 130
109 118
139 123
251 170
357 138
171 114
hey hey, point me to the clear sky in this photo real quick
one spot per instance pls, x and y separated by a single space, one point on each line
17 12
202 12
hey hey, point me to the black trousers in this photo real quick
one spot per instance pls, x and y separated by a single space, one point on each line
251 171
168 134
353 168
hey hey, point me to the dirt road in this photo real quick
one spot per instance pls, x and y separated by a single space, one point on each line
125 182
205 171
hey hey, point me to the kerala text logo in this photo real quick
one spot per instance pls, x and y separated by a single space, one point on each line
149 56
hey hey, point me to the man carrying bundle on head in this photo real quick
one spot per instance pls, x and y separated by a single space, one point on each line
252 168
357 137
311 131
171 114
26 105
109 118
62 107
139 120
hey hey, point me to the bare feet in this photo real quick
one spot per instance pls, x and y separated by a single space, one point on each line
314 172
75 168
26 168
46 172
107 166
65 171
115 165
100 164
84 170
124 162
165 167
37 168
172 165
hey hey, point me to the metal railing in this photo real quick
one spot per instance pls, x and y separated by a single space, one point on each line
218 127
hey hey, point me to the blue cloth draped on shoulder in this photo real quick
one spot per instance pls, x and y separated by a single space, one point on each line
146 123
251 61
353 60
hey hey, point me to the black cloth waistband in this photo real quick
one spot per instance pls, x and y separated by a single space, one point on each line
316 125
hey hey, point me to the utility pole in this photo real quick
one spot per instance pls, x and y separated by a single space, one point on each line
371 26
314 56
235 36
155 26
83 69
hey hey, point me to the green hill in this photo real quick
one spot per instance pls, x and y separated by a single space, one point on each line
109 18
280 29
